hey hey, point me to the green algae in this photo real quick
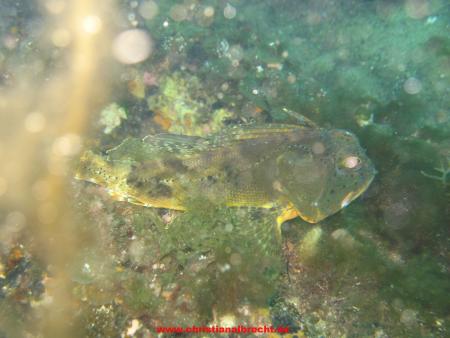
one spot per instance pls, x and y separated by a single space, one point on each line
111 117
202 260
387 249
222 245
181 101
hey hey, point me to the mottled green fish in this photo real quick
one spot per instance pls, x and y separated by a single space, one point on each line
303 170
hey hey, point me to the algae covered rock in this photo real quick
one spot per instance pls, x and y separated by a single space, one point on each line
183 106
111 117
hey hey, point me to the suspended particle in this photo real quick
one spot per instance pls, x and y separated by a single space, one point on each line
132 46
91 24
229 12
148 9
412 86
179 13
208 11
61 37
34 122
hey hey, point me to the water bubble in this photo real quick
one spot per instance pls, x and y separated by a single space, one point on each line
148 9
229 12
10 41
270 88
47 212
236 52
318 148
235 259
91 24
441 116
412 86
41 190
309 245
409 318
34 122
397 213
344 238
179 13
55 6
275 65
291 78
417 9
208 11
12 226
3 186
132 46
67 145
61 37
137 251
131 17
229 227
16 218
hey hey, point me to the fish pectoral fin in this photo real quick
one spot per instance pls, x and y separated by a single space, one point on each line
135 201
121 197
287 213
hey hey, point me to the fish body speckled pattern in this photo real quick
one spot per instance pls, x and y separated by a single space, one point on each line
303 170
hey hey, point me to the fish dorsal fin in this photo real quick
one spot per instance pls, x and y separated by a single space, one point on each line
248 132
175 144
156 146
253 131
175 139
162 145
301 120
129 150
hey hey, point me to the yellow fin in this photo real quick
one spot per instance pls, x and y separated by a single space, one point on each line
287 213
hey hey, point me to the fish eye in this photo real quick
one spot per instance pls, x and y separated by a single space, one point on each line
351 162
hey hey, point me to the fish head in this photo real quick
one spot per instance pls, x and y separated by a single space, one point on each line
99 170
92 168
325 174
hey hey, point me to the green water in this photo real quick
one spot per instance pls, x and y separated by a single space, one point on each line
378 268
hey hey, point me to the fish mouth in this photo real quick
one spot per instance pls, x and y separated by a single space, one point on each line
351 196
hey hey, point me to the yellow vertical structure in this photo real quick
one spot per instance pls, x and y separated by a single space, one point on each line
84 84
42 123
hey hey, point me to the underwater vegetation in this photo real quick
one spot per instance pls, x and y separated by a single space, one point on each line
198 267
182 106
378 268
111 117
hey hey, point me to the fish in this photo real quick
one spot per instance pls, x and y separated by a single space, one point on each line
300 170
